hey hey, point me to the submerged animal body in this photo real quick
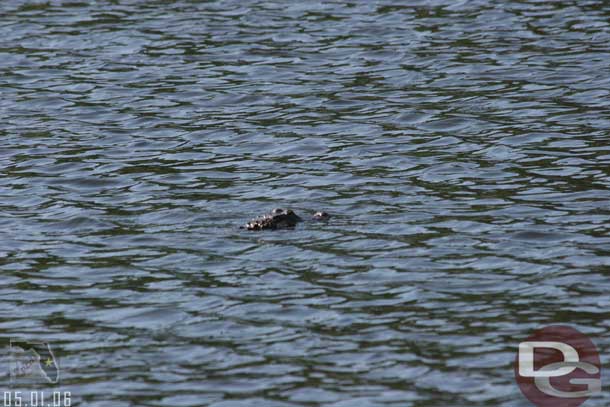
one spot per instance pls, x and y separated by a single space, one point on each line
280 218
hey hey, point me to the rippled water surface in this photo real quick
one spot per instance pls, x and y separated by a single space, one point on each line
462 147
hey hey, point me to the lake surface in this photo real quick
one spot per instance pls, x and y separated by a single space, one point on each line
462 148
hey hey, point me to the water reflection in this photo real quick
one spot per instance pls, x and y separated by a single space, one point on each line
461 148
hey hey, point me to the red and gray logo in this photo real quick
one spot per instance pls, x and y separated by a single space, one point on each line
558 366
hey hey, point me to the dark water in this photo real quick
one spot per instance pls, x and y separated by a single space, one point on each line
463 147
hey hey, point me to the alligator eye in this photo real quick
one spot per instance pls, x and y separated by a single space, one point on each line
290 212
321 215
277 211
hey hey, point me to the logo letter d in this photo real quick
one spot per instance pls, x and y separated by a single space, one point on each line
526 359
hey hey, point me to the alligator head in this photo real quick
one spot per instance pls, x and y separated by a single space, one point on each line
280 218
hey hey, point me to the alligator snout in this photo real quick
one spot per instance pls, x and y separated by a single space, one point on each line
281 218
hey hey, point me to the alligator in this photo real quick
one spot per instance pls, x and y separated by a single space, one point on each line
281 218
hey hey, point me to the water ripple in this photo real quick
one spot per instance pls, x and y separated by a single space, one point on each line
460 146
